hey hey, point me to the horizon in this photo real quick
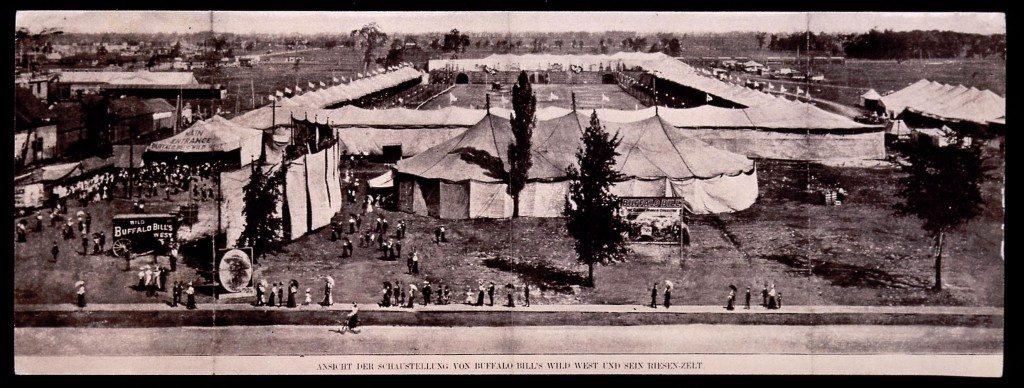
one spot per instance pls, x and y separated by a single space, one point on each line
313 22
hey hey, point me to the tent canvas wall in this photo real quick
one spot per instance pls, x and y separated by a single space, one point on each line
653 154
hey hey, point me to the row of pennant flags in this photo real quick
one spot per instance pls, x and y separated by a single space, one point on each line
769 86
311 86
504 101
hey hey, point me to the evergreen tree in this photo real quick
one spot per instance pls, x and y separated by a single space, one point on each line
524 104
263 225
942 188
592 210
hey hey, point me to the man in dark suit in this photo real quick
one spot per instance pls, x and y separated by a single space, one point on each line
654 296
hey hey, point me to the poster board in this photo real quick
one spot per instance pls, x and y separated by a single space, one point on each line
653 220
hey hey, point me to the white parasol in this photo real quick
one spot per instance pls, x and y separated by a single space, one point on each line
80 283
668 284
330 280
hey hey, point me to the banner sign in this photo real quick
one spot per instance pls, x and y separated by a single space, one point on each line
653 219
29 196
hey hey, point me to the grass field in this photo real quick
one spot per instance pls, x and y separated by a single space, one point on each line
855 254
846 82
587 97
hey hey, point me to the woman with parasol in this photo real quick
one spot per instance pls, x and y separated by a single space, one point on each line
772 303
293 288
352 321
80 291
668 293
328 285
732 297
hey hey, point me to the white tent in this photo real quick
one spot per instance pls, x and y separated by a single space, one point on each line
461 177
215 135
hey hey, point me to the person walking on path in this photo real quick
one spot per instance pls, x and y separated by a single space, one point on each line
654 296
328 298
190 295
415 262
55 251
175 294
772 303
668 294
490 294
526 294
480 296
351 223
293 288
747 299
273 295
150 283
85 244
510 288
731 299
427 291
352 321
260 291
412 296
470 300
764 296
309 298
385 299
778 300
80 292
280 294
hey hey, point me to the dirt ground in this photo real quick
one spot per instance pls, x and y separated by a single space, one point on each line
858 253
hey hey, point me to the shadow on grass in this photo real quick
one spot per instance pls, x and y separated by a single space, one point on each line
546 277
846 275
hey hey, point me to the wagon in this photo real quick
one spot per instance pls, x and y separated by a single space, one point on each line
141 233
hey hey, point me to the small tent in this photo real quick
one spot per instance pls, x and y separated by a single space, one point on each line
871 100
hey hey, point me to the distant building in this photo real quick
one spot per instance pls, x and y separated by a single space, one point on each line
145 118
39 84
72 84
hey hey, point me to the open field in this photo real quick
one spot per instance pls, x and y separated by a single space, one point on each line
587 97
846 82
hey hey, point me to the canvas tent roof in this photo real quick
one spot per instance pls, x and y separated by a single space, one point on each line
355 89
947 102
382 181
128 77
899 128
659 64
780 114
650 148
871 94
216 134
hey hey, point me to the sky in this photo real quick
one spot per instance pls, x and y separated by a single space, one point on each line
277 22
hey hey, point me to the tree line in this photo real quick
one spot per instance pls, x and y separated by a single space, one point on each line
889 44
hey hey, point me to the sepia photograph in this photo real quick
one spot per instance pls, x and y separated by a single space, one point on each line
508 192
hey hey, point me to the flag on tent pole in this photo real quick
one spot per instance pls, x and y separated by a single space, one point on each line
782 88
298 89
279 94
799 91
360 75
604 97
452 98
334 79
552 97
343 79
322 84
311 86
286 90
707 97
770 87
272 98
